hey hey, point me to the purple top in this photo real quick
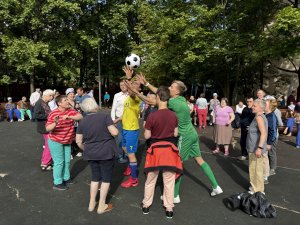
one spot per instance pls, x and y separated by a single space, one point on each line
223 115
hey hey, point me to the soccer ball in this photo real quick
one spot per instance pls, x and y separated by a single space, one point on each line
133 61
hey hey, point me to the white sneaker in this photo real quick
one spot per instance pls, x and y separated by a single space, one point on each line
11 121
252 192
272 172
216 191
20 120
243 158
79 154
176 199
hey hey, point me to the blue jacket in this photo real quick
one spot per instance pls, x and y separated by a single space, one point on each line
272 128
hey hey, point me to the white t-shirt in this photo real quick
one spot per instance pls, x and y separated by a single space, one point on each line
118 105
201 103
34 97
239 109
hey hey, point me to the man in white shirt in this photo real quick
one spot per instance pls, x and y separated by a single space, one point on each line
202 110
116 115
34 97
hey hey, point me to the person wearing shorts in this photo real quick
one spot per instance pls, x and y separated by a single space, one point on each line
188 137
130 132
95 136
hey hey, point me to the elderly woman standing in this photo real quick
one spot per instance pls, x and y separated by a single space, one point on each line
257 146
222 117
95 136
213 103
60 124
41 112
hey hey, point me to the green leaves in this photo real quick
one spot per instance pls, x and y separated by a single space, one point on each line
24 54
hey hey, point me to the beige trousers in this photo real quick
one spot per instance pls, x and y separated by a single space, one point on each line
168 195
256 172
266 165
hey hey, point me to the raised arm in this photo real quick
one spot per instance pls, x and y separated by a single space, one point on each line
142 79
141 96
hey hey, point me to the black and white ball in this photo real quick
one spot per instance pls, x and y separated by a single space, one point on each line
133 61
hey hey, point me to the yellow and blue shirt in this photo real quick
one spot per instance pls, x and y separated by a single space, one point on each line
130 118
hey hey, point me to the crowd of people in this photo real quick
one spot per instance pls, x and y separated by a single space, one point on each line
73 121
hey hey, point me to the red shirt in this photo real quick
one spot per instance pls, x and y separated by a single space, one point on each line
162 124
64 131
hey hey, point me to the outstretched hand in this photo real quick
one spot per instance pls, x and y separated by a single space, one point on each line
128 72
130 86
141 78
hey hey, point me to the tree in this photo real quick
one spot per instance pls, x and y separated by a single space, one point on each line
282 40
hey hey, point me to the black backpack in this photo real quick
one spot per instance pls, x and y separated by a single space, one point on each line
256 205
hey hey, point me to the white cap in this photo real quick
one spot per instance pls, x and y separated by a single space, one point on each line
9 98
215 94
269 97
69 90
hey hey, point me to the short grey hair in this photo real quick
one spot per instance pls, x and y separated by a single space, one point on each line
89 105
262 103
48 92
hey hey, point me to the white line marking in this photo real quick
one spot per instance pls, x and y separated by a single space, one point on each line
3 175
17 193
281 207
283 167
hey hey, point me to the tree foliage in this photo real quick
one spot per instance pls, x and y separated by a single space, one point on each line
224 44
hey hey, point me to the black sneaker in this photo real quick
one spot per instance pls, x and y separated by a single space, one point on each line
69 182
169 214
60 187
145 210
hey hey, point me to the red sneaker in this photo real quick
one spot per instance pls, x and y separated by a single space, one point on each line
127 172
130 183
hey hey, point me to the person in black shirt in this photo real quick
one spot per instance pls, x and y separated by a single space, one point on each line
246 118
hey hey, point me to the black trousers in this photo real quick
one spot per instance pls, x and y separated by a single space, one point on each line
243 139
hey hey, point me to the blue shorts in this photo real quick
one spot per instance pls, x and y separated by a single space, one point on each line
130 139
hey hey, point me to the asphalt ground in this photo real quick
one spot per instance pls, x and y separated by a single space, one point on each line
26 195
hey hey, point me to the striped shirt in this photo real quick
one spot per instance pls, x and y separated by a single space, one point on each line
64 132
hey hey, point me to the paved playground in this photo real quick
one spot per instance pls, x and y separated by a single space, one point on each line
27 198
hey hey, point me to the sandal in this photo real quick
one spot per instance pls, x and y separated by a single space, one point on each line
44 167
109 208
49 167
216 151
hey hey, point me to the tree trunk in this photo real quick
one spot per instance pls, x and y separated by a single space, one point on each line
298 89
32 83
261 75
83 65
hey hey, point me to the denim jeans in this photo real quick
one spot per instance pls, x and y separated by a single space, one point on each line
11 113
298 136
